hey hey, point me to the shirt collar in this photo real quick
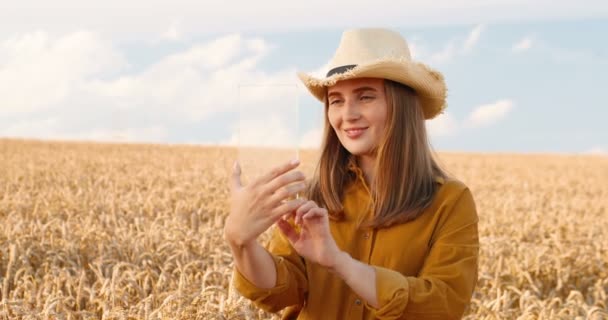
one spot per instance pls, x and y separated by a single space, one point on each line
360 178
353 167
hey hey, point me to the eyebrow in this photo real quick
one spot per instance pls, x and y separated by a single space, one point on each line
357 90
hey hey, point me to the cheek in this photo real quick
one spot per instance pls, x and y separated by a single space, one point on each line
382 120
333 119
381 117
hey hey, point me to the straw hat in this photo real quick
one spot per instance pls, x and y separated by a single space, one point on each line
381 53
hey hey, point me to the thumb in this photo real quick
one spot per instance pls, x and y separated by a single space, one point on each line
236 176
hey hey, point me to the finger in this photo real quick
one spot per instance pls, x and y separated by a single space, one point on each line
277 171
292 213
314 213
235 180
285 208
288 231
306 207
283 180
303 209
286 192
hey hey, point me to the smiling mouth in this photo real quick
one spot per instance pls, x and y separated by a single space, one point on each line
353 133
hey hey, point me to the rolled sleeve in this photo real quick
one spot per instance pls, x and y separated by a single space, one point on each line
257 294
291 285
392 291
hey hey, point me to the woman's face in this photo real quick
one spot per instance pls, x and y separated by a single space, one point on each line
357 113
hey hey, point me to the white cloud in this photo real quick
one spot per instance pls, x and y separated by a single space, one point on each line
264 130
472 39
39 72
416 49
212 55
523 45
442 125
173 33
446 54
197 82
321 71
277 127
454 47
488 114
79 85
445 124
276 137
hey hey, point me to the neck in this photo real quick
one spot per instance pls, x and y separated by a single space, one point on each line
366 163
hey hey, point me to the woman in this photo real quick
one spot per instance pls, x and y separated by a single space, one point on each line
385 233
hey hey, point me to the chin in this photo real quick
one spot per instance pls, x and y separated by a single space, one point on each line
357 150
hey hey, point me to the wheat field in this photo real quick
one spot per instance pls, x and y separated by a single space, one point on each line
134 231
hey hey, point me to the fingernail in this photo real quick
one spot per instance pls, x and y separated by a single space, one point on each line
295 161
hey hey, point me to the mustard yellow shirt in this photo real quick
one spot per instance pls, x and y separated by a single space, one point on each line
425 269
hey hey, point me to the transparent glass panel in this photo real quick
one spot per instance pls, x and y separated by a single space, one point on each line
268 130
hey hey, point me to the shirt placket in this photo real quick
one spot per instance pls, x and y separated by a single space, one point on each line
367 234
365 240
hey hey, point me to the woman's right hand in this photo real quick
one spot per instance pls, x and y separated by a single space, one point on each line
258 205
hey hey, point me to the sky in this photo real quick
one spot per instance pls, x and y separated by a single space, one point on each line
521 77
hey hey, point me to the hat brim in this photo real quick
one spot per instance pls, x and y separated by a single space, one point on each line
429 84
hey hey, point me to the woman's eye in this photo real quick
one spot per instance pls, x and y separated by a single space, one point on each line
334 102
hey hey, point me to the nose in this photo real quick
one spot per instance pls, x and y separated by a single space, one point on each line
351 110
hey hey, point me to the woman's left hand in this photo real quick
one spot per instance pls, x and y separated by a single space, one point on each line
314 241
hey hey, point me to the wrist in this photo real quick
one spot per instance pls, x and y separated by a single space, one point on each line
235 241
341 263
240 250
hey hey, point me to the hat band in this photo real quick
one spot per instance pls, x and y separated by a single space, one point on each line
340 69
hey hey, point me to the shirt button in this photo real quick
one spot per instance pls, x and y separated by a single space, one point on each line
358 302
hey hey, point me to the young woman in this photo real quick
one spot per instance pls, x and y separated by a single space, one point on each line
382 232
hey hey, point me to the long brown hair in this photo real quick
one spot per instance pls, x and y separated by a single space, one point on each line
405 168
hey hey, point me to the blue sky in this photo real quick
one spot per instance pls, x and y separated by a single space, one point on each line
521 78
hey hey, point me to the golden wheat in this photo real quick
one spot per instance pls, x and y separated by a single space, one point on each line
113 231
